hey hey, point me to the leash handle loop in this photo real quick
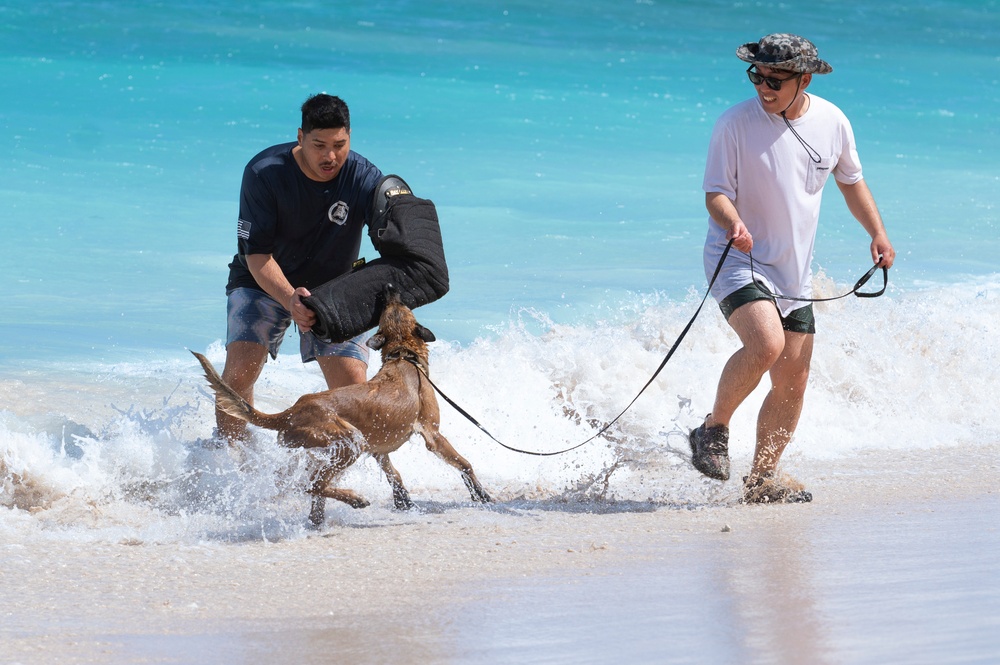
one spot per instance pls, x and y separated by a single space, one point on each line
868 275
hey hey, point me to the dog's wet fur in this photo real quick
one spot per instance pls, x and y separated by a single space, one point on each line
375 417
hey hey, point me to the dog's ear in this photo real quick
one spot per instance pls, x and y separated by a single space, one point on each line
424 333
376 341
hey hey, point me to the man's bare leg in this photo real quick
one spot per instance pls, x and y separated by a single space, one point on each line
779 414
759 327
340 371
244 362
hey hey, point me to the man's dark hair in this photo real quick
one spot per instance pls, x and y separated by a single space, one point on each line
325 112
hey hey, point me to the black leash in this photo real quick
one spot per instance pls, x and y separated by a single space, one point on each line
669 355
604 429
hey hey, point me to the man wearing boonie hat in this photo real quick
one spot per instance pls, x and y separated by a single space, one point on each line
768 161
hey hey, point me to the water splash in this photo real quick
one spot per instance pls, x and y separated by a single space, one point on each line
897 373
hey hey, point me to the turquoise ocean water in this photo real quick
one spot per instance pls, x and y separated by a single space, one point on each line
563 144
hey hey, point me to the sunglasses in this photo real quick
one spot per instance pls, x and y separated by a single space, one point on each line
772 83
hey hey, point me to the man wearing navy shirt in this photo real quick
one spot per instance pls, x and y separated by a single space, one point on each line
303 207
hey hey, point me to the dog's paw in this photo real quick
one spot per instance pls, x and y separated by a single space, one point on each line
402 502
317 514
358 502
476 490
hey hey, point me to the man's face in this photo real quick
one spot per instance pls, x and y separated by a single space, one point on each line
323 152
776 101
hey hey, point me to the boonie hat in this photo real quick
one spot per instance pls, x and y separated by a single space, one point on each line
784 51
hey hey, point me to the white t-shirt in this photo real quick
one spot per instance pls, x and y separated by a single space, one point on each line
755 160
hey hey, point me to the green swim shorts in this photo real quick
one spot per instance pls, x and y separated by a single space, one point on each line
799 320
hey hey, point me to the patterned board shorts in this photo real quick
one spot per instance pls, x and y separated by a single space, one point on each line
254 316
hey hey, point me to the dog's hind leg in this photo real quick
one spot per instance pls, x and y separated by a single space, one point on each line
400 497
317 513
437 444
341 458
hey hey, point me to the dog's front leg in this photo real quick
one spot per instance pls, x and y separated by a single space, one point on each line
437 444
400 497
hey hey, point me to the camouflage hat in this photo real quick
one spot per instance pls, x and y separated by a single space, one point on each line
784 51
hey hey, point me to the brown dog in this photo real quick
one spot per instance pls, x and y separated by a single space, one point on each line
376 417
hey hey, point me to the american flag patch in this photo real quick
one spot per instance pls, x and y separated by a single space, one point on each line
243 229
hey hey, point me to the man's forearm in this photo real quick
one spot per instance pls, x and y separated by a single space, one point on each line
721 209
861 203
271 278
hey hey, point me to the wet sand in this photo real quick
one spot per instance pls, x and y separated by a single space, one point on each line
894 561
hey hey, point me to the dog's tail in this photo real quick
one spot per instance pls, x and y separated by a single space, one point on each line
231 402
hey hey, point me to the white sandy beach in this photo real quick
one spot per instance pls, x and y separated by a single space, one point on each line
894 561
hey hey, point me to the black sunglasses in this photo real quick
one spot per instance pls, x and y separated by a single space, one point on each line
772 83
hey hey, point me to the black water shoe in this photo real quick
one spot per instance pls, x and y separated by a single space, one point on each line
773 489
710 450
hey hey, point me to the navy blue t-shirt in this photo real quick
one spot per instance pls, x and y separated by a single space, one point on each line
312 229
